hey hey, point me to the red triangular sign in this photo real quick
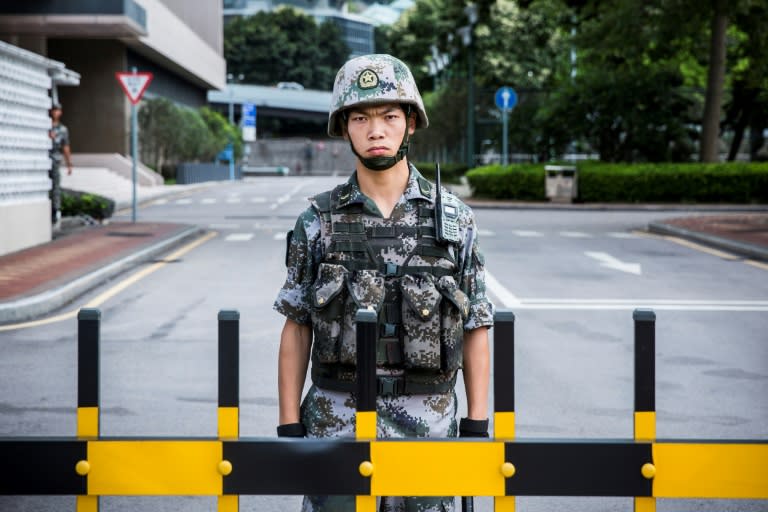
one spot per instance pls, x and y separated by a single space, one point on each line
134 84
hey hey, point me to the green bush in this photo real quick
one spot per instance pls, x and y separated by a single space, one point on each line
449 173
730 182
75 203
522 182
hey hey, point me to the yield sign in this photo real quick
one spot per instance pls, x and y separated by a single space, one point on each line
134 84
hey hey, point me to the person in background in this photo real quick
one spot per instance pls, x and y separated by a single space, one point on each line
59 151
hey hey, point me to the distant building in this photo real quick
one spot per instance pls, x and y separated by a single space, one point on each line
181 42
356 30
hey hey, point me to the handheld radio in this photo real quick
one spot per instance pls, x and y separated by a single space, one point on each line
446 214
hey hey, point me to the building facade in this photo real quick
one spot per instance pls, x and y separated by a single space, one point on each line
180 41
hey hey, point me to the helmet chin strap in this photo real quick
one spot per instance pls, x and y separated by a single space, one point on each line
382 163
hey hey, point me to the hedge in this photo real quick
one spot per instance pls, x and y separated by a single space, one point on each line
730 182
75 203
449 173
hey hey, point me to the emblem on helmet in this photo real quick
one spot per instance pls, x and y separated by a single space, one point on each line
368 79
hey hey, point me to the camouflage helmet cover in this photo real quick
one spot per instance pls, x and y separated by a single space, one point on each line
370 80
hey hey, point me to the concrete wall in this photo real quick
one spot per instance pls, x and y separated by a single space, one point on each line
24 224
25 211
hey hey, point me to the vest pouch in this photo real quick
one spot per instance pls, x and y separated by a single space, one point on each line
421 321
366 291
454 310
328 305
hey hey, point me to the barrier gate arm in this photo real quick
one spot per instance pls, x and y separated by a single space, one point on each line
90 466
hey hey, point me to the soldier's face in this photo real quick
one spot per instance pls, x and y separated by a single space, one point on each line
378 131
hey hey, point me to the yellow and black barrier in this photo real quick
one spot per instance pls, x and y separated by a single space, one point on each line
227 466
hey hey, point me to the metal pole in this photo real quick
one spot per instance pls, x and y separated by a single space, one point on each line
505 135
134 154
471 107
134 157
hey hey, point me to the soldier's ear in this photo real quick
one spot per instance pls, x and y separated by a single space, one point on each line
411 123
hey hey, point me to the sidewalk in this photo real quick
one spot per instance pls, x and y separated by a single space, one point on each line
38 280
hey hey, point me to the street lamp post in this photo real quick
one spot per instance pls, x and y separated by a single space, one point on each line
467 40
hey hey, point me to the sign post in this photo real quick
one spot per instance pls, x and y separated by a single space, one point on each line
506 99
134 84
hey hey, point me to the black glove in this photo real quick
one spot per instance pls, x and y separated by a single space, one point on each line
473 428
291 430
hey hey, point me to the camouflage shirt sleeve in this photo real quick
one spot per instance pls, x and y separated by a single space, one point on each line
302 257
472 264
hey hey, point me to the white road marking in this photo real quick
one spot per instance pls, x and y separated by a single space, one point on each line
287 197
233 200
655 304
485 232
183 201
258 199
160 201
239 237
208 200
608 261
507 298
619 234
528 234
575 234
280 236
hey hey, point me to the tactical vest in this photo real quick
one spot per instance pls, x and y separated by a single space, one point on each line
400 271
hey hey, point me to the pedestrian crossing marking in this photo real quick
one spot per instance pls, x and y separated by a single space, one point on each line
575 234
183 201
280 236
239 237
528 234
209 200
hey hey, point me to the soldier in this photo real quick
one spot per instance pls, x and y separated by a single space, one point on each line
59 150
371 243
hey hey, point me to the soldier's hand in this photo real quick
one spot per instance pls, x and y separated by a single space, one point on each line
473 428
291 430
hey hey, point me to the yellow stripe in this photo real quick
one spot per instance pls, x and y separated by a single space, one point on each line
108 294
88 422
153 468
504 504
437 468
229 503
229 423
365 425
365 503
727 470
504 425
645 504
645 425
87 504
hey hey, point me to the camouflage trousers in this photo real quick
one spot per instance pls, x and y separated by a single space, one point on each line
332 414
55 194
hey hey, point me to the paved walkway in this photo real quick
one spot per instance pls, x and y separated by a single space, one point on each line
38 280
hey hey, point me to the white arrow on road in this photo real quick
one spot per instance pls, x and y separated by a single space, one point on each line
608 261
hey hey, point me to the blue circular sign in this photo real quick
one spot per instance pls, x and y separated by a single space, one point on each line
506 98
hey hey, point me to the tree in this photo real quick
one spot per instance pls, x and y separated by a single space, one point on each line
284 45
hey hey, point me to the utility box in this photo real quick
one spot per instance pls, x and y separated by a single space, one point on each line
561 183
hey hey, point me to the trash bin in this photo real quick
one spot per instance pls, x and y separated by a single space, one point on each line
561 183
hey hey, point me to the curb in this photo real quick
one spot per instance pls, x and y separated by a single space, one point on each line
31 307
748 250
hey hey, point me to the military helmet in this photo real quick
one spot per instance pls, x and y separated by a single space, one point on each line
370 80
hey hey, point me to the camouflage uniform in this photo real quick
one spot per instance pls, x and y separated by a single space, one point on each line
331 413
59 140
344 255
